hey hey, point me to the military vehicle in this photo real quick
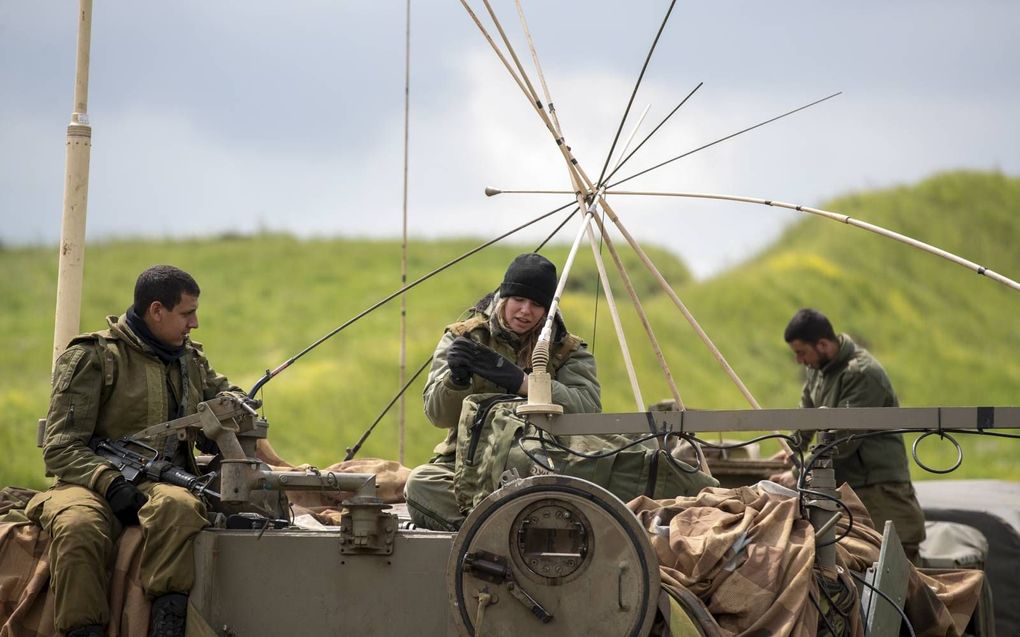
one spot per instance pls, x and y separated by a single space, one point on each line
540 555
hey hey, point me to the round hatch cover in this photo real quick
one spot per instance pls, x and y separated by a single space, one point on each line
552 555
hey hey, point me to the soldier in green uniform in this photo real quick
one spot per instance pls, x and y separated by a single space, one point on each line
488 353
841 374
141 371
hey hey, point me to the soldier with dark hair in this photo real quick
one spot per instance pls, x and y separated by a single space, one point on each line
141 371
841 374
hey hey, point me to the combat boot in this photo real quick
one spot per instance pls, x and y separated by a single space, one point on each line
169 615
92 630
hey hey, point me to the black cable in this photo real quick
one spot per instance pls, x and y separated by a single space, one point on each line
558 228
942 435
721 139
269 375
821 450
846 596
540 438
654 130
633 93
825 618
845 614
994 434
746 443
351 451
681 466
899 610
841 504
598 455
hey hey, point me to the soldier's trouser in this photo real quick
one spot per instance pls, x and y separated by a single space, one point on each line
83 530
429 494
896 501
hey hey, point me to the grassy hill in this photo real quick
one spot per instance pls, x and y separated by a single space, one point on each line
945 335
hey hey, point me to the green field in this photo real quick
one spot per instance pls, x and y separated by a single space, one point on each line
946 336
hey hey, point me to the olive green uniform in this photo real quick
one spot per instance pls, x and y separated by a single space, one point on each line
110 384
875 467
575 386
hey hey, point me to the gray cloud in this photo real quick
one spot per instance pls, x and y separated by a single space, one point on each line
235 115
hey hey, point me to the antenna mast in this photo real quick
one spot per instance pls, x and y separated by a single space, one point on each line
76 189
403 244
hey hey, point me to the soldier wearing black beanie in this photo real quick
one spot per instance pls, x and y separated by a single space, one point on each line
531 276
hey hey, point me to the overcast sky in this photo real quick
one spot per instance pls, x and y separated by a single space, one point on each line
238 116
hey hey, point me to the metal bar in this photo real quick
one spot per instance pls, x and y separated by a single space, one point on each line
856 418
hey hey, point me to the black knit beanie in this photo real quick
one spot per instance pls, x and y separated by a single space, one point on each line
531 276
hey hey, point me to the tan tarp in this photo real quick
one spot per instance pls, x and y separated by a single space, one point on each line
748 555
390 477
26 603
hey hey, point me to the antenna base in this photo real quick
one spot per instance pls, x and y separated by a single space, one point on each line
540 396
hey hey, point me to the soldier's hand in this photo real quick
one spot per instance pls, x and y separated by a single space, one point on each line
125 499
492 366
786 478
458 359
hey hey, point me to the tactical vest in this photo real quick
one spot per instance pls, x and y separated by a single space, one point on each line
135 393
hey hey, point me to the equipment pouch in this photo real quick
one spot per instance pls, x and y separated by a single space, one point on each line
626 473
484 434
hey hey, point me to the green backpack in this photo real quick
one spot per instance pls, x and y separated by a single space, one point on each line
493 439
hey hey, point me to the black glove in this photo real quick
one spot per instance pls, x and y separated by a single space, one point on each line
458 359
206 445
491 366
125 499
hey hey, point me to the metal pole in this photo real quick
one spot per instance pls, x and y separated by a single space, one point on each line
403 245
76 186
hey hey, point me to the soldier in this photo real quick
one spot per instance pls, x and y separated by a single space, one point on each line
488 353
141 371
841 374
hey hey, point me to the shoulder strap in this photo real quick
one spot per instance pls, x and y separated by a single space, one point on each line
467 326
107 352
109 360
564 349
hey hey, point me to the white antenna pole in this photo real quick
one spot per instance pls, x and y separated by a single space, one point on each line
826 214
76 189
403 245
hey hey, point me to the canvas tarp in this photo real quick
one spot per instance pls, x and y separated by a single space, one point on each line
748 554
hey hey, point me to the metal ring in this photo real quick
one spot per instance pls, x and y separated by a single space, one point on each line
943 435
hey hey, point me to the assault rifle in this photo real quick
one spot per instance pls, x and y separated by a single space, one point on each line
138 461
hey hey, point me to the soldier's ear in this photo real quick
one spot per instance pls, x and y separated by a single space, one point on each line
156 310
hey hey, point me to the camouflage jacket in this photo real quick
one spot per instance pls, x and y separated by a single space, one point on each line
855 379
110 384
575 385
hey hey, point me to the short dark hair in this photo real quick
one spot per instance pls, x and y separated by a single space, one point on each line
810 326
163 283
